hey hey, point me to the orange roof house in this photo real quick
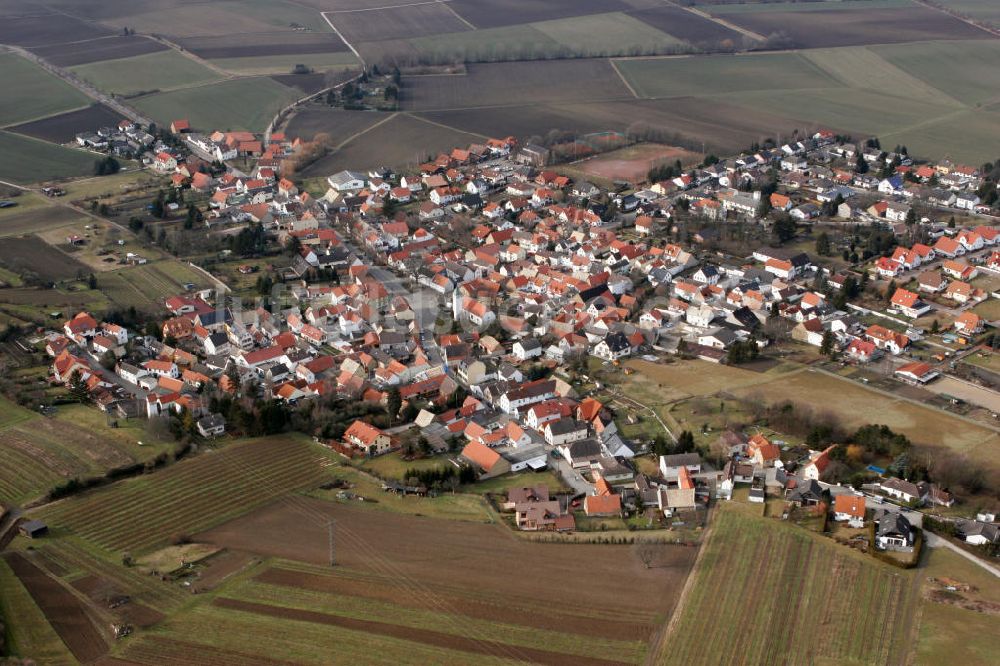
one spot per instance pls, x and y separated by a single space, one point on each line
486 459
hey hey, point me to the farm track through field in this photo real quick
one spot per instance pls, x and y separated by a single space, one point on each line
424 636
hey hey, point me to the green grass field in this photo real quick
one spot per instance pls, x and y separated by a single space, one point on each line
145 287
607 34
283 64
240 104
962 69
949 634
762 583
154 71
711 75
31 93
191 495
40 452
31 635
29 161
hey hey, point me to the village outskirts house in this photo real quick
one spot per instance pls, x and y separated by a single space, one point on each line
367 439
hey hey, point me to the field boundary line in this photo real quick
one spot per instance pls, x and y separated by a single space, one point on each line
443 126
444 3
365 130
46 117
384 7
177 48
614 66
718 21
349 45
662 636
961 17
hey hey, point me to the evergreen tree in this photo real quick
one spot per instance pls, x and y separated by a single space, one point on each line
78 387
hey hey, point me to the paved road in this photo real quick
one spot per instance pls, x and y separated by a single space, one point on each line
572 477
934 541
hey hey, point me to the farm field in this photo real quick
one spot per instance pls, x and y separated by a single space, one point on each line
488 14
392 22
40 452
337 124
107 48
690 27
856 406
402 139
520 83
609 34
848 23
400 588
739 603
141 513
29 161
146 287
30 254
31 634
43 29
265 44
32 93
959 69
239 104
33 214
949 633
155 71
64 127
979 10
284 64
709 75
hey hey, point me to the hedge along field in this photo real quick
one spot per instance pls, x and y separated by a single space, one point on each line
30 92
238 104
154 71
770 593
138 514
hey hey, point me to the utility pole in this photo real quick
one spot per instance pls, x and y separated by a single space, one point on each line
330 528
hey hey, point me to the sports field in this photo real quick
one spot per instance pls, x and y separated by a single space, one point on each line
155 71
761 583
239 104
31 93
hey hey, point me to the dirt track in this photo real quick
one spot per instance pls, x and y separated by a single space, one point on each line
424 636
65 612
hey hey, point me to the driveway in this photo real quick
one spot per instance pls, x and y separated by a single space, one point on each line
579 485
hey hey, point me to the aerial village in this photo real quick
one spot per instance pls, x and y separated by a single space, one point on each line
475 298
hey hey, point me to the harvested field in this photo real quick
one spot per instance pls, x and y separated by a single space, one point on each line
978 10
67 615
707 75
155 71
521 122
48 29
106 48
241 104
400 140
338 124
518 83
518 42
307 83
747 563
407 590
145 512
64 127
245 17
237 46
849 25
689 27
633 163
31 92
34 219
402 22
492 14
32 254
298 531
29 160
